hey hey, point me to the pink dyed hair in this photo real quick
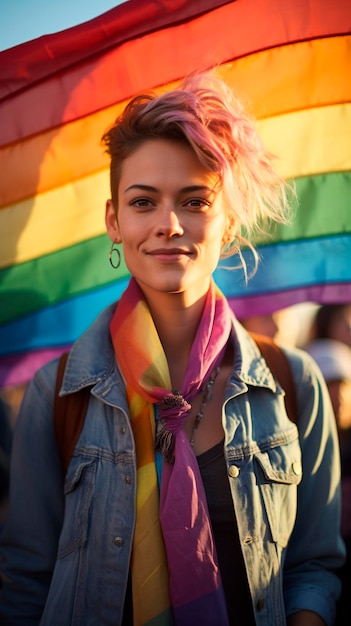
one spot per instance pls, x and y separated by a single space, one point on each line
204 112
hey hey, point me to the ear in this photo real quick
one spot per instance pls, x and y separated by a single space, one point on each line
112 222
230 230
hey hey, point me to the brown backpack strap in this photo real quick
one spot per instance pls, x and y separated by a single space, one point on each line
69 415
279 365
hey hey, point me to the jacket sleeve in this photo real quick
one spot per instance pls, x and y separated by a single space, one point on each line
315 550
29 540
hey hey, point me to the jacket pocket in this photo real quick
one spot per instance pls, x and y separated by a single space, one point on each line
279 472
79 489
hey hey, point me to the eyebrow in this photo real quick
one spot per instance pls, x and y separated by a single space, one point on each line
189 189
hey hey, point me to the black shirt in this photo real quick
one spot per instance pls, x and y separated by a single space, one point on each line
213 471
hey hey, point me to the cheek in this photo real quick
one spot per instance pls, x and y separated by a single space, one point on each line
132 240
212 248
130 230
215 226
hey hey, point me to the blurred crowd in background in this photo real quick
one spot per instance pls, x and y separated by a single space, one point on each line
325 333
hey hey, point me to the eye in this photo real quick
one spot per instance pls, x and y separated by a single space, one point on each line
197 203
141 203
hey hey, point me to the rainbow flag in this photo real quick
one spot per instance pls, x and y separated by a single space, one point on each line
289 61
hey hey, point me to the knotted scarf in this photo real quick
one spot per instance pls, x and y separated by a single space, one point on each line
175 574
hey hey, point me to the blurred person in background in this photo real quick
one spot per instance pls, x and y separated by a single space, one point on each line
283 326
332 321
334 359
261 324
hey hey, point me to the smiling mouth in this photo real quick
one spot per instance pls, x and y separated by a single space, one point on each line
173 254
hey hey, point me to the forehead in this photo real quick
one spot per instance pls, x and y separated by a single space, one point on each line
165 160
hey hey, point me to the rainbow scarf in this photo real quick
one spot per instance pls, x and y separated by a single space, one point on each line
175 575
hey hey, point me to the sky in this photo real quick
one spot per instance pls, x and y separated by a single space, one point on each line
23 20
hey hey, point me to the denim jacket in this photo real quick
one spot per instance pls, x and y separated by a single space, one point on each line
66 547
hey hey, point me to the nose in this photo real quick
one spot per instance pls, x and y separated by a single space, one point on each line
168 223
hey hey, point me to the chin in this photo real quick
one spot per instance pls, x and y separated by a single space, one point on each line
189 292
168 288
162 286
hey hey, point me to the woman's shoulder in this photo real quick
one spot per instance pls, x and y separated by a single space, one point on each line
91 347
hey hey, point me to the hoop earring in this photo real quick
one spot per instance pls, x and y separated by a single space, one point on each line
110 257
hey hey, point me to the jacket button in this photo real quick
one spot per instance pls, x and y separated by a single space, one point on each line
297 469
260 604
128 480
118 541
233 471
123 430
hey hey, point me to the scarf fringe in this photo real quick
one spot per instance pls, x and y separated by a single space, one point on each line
165 443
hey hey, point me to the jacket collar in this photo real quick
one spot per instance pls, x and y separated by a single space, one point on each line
249 365
92 359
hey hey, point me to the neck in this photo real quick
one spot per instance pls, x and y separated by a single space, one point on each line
176 321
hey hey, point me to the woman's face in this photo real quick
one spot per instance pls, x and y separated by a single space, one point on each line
170 219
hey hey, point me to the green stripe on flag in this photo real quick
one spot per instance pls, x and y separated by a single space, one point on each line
323 208
45 281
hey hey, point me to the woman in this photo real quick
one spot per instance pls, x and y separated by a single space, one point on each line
206 529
